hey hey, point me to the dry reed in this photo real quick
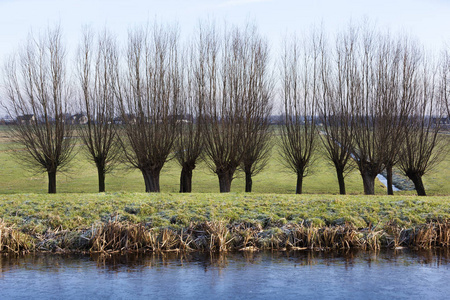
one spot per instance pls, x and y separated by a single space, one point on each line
221 236
12 240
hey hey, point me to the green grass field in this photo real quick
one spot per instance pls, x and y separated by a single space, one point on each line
82 177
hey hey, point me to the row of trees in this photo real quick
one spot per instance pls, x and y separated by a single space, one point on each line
380 102
373 101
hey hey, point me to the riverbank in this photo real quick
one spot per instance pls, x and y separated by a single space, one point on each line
124 222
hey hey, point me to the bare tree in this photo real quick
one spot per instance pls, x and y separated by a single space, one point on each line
300 75
424 147
38 91
95 69
398 88
225 59
189 143
381 109
258 86
148 95
340 90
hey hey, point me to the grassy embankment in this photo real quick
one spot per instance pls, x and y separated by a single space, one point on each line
158 222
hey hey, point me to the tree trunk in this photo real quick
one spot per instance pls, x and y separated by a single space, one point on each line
418 184
248 182
101 179
186 180
390 190
368 182
341 181
225 179
51 182
299 187
151 179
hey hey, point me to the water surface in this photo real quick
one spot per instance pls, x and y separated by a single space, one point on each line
309 275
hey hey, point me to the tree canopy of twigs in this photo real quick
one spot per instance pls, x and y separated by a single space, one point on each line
445 83
148 94
96 57
38 92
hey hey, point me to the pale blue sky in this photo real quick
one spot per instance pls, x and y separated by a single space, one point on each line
428 20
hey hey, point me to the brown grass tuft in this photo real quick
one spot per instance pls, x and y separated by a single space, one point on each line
12 240
115 236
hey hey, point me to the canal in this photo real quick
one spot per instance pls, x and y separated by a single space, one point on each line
401 274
